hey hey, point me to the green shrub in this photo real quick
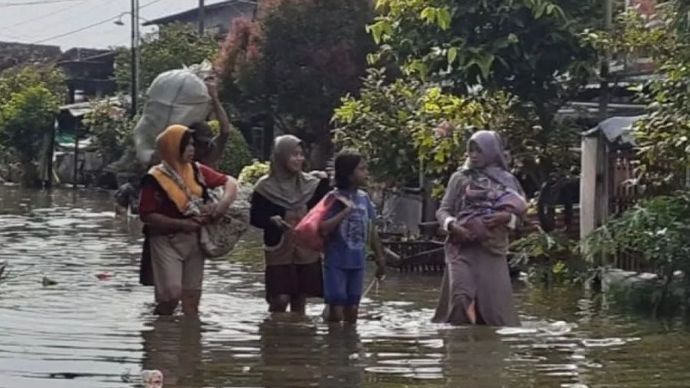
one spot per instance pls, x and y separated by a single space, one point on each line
657 231
549 258
111 127
253 172
236 155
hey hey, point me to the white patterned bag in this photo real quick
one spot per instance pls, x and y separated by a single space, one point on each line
219 238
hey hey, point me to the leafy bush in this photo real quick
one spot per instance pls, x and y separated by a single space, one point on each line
16 80
252 173
237 153
25 118
657 231
112 129
550 258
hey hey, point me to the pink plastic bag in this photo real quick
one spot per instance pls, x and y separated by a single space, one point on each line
307 231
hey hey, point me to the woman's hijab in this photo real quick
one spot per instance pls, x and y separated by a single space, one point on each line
283 187
173 172
493 162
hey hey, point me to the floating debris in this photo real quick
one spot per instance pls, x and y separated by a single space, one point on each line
603 342
126 376
104 276
152 378
48 282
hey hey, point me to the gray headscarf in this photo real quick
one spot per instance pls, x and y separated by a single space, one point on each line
495 165
281 186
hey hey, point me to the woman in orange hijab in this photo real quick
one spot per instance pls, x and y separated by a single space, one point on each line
172 205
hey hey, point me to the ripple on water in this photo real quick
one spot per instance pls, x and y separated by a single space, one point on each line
86 332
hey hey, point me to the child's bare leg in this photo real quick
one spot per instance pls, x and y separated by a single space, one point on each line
335 313
166 308
278 303
350 313
298 304
472 313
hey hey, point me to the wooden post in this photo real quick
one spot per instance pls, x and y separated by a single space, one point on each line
588 185
47 162
76 157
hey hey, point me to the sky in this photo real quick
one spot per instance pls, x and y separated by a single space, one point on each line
44 21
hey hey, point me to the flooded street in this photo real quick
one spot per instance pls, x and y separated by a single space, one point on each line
91 332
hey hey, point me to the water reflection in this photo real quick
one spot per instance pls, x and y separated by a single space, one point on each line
290 352
342 353
462 347
173 346
91 332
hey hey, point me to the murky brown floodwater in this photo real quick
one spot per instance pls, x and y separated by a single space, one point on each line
86 332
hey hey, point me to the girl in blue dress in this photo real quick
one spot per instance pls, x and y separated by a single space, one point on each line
346 228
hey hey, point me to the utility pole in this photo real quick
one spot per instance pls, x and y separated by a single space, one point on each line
135 57
604 97
201 16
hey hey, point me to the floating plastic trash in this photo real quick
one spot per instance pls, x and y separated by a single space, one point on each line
152 378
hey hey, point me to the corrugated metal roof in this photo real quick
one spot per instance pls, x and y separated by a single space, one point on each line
81 108
617 130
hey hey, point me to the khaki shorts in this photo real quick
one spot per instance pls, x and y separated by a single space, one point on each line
178 265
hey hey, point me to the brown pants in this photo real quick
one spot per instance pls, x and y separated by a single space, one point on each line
178 265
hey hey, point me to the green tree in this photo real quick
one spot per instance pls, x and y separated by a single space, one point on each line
663 135
289 68
112 129
529 48
397 126
29 100
172 47
24 121
17 79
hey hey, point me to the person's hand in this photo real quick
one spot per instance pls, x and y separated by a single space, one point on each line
191 225
214 210
208 209
212 86
319 174
280 222
497 220
459 233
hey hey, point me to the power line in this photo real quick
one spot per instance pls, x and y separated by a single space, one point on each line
76 31
59 11
104 21
37 2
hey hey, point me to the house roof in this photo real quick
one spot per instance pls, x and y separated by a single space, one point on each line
14 54
191 13
616 130
79 109
86 54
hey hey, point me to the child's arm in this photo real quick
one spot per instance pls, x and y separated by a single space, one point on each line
328 226
379 253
